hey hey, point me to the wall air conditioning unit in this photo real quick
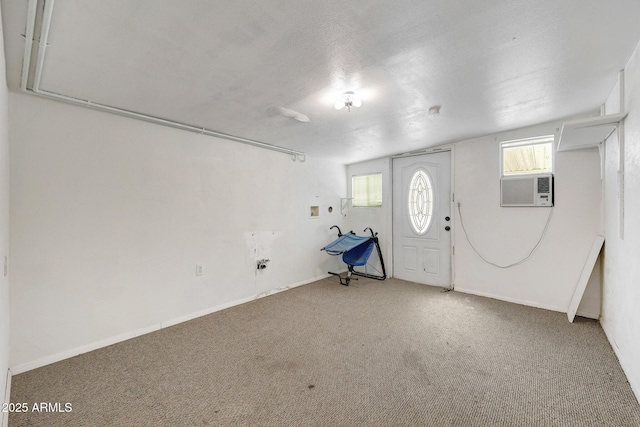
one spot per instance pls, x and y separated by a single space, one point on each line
530 190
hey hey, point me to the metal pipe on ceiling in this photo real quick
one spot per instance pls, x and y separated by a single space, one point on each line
28 42
42 46
35 87
300 156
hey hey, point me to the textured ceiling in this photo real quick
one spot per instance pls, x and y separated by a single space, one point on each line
231 67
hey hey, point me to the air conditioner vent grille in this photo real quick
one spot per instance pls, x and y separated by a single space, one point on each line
544 185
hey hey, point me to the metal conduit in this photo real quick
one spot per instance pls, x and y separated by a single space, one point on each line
35 88
28 42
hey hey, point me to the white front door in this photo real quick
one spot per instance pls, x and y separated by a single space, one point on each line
422 218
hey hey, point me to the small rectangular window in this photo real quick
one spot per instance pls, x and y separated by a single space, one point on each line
527 156
366 190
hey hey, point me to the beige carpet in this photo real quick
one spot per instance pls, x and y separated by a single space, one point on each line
389 353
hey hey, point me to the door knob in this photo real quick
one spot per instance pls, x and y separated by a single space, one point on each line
447 228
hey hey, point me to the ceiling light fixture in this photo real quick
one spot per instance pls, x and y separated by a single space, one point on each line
348 99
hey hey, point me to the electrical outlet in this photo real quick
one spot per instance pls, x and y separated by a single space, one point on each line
198 270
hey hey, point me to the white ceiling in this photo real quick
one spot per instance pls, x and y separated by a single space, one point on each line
492 65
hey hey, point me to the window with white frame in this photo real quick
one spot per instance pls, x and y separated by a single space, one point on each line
527 156
366 190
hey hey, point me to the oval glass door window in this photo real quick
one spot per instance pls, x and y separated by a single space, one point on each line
420 202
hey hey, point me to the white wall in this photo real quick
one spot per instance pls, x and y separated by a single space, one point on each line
109 217
4 223
506 235
378 219
621 290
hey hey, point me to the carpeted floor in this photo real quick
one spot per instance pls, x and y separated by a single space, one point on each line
389 353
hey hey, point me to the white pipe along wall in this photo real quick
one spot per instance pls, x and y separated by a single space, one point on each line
36 90
111 216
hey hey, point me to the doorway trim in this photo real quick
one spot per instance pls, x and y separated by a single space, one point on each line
452 252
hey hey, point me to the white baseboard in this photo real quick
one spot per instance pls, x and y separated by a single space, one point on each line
24 367
632 376
220 307
512 300
7 399
587 314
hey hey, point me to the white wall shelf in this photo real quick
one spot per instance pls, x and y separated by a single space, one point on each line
587 133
